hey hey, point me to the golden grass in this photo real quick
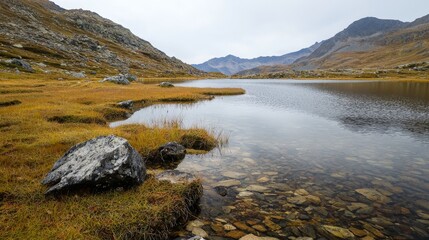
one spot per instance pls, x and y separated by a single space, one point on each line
55 115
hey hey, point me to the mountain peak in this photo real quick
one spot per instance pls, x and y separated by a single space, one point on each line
370 25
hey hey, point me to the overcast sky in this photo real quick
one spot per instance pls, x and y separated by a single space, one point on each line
197 30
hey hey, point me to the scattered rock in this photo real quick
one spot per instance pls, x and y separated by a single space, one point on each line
194 224
259 228
235 175
199 232
263 180
298 200
244 227
123 79
229 227
100 163
78 74
228 183
257 188
176 176
235 234
358 232
23 64
373 195
166 84
301 192
221 190
271 225
125 104
245 194
17 45
338 232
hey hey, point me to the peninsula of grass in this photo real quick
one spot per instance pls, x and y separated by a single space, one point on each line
54 115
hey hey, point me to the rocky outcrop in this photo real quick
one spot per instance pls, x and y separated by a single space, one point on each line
24 65
123 79
40 31
99 164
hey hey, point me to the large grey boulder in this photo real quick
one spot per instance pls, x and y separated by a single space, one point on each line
100 163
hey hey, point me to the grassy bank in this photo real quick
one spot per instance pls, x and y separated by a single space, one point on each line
42 118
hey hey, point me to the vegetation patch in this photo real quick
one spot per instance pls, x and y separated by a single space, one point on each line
198 140
77 119
10 103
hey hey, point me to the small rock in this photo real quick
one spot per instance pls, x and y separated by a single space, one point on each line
199 232
298 200
259 228
228 183
263 180
373 195
221 190
119 79
358 232
125 104
244 227
17 45
235 234
235 175
301 192
166 84
217 227
338 232
257 188
169 152
229 227
176 176
194 224
245 194
271 225
78 74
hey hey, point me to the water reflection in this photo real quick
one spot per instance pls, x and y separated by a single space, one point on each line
306 154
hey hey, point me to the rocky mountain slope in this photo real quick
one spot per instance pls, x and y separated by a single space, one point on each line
53 39
231 64
366 43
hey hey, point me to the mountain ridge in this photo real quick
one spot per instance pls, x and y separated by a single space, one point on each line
231 64
78 40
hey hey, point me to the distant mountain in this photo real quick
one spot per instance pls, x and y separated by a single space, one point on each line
366 43
231 64
53 39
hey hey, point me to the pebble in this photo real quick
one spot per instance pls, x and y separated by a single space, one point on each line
271 225
199 232
194 224
235 175
263 180
373 195
301 192
257 188
259 228
358 232
244 227
245 194
227 183
229 227
338 232
235 234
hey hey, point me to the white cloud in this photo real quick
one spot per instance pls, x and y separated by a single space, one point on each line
196 30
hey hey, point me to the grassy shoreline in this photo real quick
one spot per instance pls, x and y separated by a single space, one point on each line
52 116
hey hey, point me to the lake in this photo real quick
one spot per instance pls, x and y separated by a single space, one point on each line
311 158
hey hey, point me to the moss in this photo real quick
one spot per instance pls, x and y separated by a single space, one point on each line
77 119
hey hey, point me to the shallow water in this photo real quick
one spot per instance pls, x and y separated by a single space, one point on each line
330 138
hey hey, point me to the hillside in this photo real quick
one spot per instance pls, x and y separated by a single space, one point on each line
53 39
231 64
367 43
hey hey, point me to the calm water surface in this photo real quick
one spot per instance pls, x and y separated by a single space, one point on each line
306 154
